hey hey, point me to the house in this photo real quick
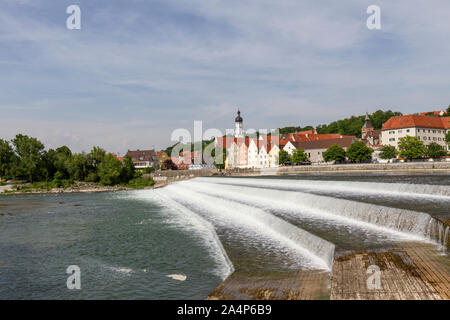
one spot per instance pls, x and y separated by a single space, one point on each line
143 158
426 128
315 149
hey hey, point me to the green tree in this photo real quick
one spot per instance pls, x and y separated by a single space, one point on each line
29 155
411 148
299 155
334 153
219 160
6 159
109 170
447 138
434 150
78 167
128 169
358 151
388 152
283 157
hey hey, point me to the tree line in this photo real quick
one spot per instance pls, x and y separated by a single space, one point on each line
348 126
408 148
24 158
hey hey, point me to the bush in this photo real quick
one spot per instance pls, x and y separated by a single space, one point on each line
140 183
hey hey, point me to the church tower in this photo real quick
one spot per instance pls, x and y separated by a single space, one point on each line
238 130
367 127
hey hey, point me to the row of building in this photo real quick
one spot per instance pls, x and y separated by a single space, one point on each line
262 151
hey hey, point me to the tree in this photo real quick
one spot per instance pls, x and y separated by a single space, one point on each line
128 169
6 159
168 165
388 152
299 155
78 167
434 150
358 151
219 161
447 138
283 157
334 153
109 170
411 148
29 155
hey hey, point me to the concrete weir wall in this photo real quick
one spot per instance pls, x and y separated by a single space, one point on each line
168 176
374 167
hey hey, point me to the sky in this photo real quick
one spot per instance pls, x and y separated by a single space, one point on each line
139 69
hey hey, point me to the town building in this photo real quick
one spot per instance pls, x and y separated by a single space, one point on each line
315 149
370 136
426 128
143 158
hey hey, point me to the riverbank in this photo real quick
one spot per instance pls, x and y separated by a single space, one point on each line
82 188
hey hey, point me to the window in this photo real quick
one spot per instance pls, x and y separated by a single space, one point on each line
407 130
418 130
391 139
399 131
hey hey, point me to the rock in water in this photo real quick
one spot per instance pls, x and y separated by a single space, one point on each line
180 277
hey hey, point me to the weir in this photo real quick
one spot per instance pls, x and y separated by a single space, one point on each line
200 226
318 251
436 192
413 223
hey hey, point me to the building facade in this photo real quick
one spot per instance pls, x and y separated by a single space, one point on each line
315 149
426 128
143 158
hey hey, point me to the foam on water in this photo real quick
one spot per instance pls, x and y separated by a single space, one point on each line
316 252
191 222
432 192
294 204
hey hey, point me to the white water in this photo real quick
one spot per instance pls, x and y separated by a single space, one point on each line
432 192
313 207
191 222
315 252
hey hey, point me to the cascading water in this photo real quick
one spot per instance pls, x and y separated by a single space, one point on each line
416 225
435 192
317 251
185 217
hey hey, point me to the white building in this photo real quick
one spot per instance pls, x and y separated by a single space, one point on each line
426 128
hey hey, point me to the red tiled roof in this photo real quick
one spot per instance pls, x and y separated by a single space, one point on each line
324 144
414 120
147 155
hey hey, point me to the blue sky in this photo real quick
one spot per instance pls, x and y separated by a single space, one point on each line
139 69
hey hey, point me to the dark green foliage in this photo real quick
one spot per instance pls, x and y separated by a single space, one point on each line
388 152
411 148
6 159
352 126
299 155
140 183
434 150
287 130
29 153
283 157
334 153
28 161
358 151
222 157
